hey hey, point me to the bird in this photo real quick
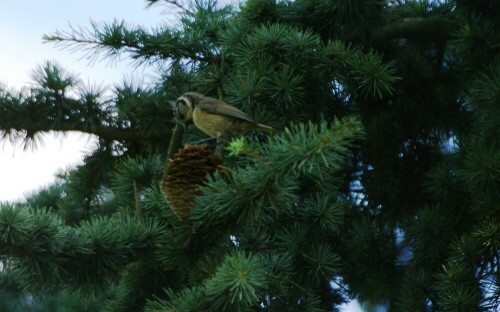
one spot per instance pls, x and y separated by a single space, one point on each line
215 117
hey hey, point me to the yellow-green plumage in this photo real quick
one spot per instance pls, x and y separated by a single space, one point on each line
214 117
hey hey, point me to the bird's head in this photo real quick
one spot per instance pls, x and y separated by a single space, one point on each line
184 106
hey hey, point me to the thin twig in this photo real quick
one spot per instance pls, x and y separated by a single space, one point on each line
138 206
180 6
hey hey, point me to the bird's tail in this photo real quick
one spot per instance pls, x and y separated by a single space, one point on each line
267 129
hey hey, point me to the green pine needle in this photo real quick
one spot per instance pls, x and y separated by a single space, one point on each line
238 283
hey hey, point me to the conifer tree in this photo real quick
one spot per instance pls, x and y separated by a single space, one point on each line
383 184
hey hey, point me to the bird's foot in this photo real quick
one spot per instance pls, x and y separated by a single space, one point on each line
209 141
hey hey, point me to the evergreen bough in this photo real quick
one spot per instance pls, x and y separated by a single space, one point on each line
383 184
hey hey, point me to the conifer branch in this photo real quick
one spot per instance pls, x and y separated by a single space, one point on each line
51 251
305 149
274 234
170 2
176 4
430 29
115 38
104 132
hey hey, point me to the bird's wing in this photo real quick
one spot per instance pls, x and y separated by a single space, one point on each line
218 107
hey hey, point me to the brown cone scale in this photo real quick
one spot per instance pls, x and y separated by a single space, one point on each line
184 174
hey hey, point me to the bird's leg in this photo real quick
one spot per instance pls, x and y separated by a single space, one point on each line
210 141
219 148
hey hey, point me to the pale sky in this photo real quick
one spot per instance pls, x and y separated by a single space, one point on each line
22 25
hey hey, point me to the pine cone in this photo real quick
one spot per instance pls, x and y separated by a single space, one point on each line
184 174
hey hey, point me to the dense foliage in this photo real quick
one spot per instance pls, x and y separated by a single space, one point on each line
383 185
